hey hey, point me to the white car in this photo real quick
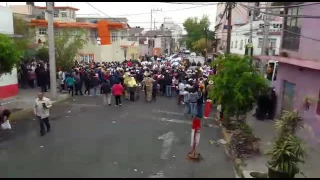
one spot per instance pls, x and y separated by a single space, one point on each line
178 59
193 54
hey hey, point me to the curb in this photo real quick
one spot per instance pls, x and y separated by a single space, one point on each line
237 162
16 115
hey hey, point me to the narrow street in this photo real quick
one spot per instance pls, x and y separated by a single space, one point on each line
91 140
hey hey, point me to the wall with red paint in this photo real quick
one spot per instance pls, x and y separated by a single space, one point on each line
9 85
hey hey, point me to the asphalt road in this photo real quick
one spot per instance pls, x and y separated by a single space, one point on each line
91 140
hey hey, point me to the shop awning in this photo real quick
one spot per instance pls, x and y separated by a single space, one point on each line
292 61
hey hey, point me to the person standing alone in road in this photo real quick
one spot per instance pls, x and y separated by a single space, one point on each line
117 91
41 110
106 90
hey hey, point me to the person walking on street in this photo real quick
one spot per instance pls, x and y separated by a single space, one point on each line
70 83
78 85
95 83
87 84
106 90
149 83
117 91
41 110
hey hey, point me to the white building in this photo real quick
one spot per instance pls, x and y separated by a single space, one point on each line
176 30
113 44
8 82
240 37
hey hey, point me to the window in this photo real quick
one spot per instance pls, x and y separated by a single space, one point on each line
114 36
63 14
241 45
123 34
318 105
95 34
272 43
232 44
291 38
260 43
56 32
74 32
42 31
56 13
236 44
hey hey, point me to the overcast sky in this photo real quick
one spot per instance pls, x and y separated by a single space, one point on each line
177 12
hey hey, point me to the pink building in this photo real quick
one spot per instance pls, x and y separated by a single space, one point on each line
299 67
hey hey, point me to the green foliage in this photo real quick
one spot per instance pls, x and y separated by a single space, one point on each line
286 154
43 53
196 30
9 54
236 84
67 46
200 45
290 122
21 27
287 150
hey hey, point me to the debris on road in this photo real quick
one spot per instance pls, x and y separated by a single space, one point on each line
173 156
115 163
41 146
222 141
69 111
113 122
141 172
135 170
211 141
67 116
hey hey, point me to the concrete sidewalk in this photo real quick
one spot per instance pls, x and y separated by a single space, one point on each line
25 99
266 132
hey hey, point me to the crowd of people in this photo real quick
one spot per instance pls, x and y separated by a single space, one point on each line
129 78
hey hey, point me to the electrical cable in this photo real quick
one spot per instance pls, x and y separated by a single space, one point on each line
280 7
164 11
283 15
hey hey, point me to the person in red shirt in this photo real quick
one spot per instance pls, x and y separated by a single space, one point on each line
117 91
129 63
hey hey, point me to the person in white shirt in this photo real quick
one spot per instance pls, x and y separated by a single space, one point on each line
41 110
181 88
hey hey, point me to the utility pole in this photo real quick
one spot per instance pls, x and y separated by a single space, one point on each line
249 46
229 6
164 34
154 23
52 61
206 49
153 10
265 40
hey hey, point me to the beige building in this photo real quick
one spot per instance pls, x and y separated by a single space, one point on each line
107 40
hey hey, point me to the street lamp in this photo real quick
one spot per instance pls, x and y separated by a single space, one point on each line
206 32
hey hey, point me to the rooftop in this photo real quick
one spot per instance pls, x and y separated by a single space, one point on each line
58 7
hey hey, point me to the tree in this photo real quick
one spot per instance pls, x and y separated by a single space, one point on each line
237 84
21 27
43 53
200 45
67 46
196 29
181 42
9 54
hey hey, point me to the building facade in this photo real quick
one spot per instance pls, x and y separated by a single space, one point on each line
241 35
299 68
240 16
107 39
8 82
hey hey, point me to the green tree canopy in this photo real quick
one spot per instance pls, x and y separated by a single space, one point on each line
197 29
67 46
200 45
21 27
9 54
43 53
236 84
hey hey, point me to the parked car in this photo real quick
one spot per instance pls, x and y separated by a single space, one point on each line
193 54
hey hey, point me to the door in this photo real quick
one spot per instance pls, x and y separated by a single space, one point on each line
288 95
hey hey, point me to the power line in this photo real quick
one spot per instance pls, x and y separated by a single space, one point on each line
180 9
190 3
283 15
280 7
102 12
